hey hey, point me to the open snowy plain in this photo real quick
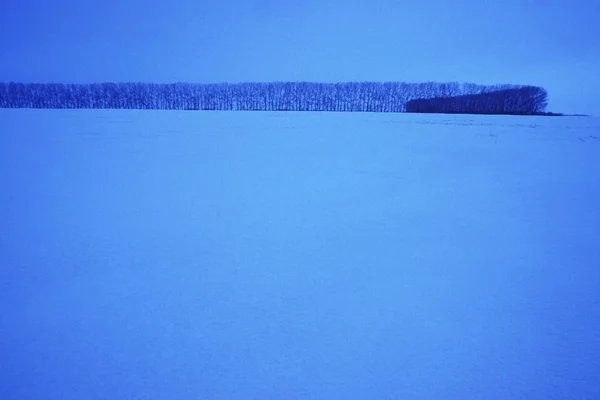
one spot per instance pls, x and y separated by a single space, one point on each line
257 255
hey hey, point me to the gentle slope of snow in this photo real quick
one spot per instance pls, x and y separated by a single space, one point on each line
224 255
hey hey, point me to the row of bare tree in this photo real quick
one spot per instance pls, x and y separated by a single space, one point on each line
273 96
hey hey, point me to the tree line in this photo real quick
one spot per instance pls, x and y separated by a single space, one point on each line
271 96
527 100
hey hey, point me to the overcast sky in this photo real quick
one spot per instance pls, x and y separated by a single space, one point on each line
551 43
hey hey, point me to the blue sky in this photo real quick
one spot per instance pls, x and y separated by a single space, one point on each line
549 43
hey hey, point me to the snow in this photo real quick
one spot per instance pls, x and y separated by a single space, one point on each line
240 255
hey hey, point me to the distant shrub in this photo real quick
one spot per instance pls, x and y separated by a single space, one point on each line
526 100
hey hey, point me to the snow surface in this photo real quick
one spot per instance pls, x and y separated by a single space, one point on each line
240 255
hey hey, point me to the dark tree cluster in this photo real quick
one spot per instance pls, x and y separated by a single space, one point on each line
273 96
526 100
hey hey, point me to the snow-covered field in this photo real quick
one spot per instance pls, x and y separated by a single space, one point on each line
239 255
